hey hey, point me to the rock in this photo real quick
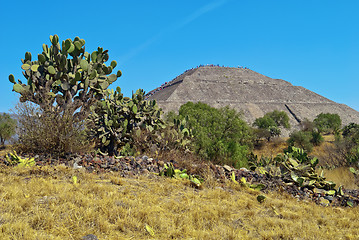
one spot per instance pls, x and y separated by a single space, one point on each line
104 166
76 166
45 200
228 168
144 171
220 172
320 191
324 202
329 198
89 237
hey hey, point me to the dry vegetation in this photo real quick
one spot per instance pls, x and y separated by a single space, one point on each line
45 203
272 148
327 155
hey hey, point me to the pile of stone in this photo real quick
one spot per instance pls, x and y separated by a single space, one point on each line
272 183
134 166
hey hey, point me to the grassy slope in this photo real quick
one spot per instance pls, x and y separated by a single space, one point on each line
46 204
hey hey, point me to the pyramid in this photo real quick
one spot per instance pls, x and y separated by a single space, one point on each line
248 92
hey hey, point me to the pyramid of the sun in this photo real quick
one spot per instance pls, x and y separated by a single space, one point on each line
247 91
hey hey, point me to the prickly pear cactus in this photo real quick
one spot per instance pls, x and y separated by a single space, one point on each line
116 118
58 83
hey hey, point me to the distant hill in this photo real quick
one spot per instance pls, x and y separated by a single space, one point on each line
247 91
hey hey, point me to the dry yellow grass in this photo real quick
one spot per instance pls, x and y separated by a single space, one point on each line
277 145
45 203
272 148
6 149
321 151
341 176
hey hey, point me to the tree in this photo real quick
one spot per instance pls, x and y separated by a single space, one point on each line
271 123
328 123
351 131
220 135
265 122
58 83
280 118
7 127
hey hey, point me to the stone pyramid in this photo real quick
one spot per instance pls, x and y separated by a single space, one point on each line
248 92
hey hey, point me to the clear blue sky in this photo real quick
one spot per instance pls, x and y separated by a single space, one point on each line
314 44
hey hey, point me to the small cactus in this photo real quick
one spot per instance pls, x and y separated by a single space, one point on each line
116 117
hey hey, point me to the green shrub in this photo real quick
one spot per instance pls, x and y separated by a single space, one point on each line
7 127
349 144
264 122
328 123
317 138
220 135
301 139
351 131
270 124
280 118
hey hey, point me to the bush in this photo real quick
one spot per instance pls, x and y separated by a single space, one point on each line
307 125
328 123
175 137
259 135
7 127
270 124
220 135
264 122
280 118
348 146
351 132
48 133
317 138
301 139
